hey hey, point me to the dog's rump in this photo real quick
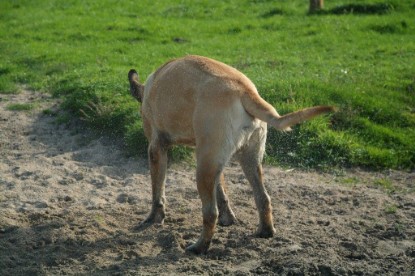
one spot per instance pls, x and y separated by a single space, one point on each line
187 92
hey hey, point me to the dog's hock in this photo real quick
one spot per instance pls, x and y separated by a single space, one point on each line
136 88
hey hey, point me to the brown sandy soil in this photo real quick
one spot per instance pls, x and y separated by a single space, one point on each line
70 201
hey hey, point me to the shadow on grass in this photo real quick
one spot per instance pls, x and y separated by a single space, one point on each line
360 9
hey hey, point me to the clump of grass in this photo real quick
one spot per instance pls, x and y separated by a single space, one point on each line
349 181
385 184
7 86
99 220
391 209
49 112
20 107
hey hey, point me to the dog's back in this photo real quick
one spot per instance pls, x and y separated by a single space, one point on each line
184 93
184 87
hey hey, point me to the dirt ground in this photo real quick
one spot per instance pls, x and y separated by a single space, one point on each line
70 201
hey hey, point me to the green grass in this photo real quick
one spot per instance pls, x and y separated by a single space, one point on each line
391 209
357 55
349 181
20 107
7 87
385 184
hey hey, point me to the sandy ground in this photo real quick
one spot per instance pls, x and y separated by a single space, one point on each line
70 201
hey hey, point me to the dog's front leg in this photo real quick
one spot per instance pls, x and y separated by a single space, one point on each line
157 155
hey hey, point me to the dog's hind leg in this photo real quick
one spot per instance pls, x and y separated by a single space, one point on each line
157 155
207 177
250 158
211 159
226 215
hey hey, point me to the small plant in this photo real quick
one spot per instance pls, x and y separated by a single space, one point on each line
349 181
385 184
20 107
49 112
391 209
99 219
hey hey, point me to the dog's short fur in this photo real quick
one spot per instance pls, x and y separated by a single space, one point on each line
204 103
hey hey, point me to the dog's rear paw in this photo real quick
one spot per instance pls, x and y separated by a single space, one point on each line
150 220
266 232
226 215
155 217
227 220
198 248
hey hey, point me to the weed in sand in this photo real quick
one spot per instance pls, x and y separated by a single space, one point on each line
385 184
391 209
20 107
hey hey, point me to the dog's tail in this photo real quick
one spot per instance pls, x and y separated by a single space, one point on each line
259 108
136 88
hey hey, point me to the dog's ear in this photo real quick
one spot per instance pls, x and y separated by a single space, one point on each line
136 88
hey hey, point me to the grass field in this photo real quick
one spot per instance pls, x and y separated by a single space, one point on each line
357 55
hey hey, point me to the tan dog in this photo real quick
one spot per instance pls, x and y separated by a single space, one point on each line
204 103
